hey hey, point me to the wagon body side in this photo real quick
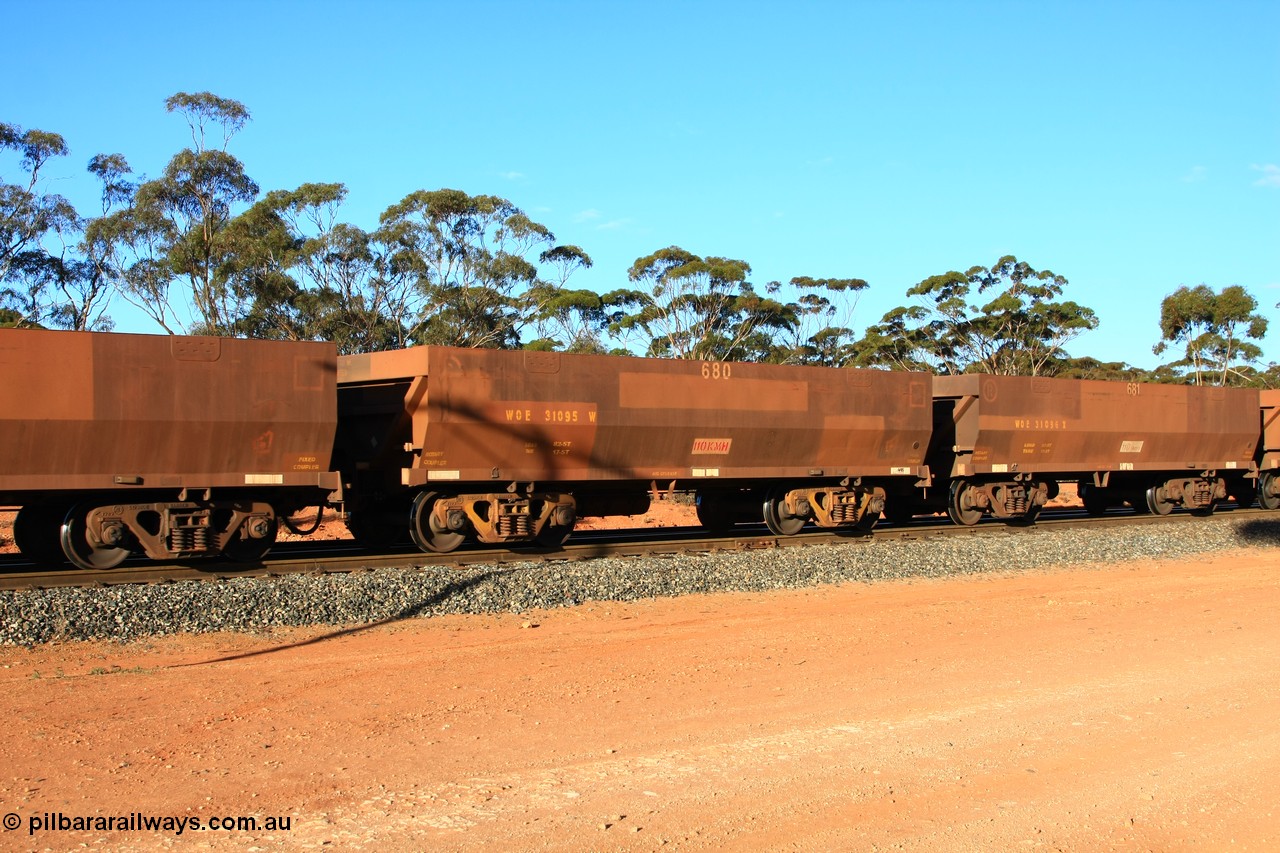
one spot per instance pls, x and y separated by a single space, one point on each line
174 445
997 436
602 432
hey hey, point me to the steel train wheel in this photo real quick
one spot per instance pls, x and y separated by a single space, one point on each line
81 550
37 531
1266 489
427 533
250 550
1157 504
959 507
776 517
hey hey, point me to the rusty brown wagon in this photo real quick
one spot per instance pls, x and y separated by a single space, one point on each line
1268 485
1001 445
439 444
169 445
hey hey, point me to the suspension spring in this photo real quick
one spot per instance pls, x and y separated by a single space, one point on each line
1016 500
513 525
180 539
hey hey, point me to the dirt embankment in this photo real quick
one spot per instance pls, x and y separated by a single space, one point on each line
1122 708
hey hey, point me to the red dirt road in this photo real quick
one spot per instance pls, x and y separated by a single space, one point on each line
1123 708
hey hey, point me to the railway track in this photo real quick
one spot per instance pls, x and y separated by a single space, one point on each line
341 556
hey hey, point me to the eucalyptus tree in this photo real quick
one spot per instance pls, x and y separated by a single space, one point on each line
468 261
565 318
697 308
27 214
177 226
306 276
1018 326
371 311
901 341
131 246
1211 330
264 245
823 312
29 217
52 272
1086 367
87 276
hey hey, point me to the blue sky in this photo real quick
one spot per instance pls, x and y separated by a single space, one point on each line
1131 147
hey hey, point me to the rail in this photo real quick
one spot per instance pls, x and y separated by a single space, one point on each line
342 556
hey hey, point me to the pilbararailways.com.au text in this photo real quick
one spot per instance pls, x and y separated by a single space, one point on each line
139 822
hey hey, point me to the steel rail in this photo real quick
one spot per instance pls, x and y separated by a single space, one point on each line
342 556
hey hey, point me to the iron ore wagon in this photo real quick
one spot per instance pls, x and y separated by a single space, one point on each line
174 446
1001 445
439 444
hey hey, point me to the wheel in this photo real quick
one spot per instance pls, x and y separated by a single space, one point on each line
960 507
1156 503
1095 500
37 531
81 549
714 513
427 533
241 549
1267 496
776 517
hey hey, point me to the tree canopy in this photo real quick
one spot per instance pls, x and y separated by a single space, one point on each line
202 249
1016 326
1211 330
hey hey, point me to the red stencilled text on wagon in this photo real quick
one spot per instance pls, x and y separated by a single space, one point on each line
711 446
